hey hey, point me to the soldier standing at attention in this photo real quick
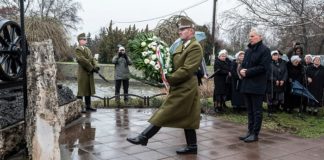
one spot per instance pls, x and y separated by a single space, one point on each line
87 65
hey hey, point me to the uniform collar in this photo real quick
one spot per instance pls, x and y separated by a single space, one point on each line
188 42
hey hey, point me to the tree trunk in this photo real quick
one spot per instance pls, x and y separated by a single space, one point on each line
320 49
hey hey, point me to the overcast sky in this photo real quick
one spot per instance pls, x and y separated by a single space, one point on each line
98 13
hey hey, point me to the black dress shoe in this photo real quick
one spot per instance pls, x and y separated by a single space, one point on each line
191 149
251 138
243 137
91 109
140 139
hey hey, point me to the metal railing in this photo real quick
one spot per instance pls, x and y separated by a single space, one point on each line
145 99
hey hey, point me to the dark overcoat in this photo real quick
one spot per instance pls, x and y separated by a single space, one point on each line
87 63
221 76
278 72
294 73
317 84
257 61
181 109
237 97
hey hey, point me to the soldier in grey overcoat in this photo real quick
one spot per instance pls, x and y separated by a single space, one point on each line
181 109
87 66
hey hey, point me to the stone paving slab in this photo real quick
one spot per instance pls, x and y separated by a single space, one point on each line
102 135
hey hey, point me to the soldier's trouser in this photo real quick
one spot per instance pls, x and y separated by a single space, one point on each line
87 100
191 137
253 103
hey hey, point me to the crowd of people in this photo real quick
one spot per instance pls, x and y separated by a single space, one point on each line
254 76
281 76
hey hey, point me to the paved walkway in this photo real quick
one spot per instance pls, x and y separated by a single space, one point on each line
102 135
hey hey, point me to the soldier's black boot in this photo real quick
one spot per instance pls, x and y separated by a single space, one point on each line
251 138
88 104
191 139
142 138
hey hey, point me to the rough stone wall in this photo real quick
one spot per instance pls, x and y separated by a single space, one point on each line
11 139
11 106
12 130
70 112
43 124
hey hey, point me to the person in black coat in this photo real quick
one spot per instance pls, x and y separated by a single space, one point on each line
315 77
222 74
296 71
237 98
277 78
255 65
307 62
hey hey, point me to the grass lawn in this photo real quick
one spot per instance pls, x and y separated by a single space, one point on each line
306 126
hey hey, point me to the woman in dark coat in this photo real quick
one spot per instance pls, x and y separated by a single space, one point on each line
315 77
237 98
296 72
277 78
221 76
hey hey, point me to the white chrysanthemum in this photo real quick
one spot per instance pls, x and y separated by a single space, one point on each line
154 48
150 52
154 44
143 44
152 63
166 65
168 59
161 47
170 69
146 61
144 54
153 57
168 49
165 71
157 67
164 43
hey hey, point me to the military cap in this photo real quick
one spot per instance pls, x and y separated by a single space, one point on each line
185 23
82 36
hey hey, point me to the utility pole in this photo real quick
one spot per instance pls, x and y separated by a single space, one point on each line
213 32
24 55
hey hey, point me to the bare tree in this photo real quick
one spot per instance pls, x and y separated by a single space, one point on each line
46 19
63 11
298 20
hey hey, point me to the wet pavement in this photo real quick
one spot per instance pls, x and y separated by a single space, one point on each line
102 135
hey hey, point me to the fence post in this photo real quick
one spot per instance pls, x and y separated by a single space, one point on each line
105 102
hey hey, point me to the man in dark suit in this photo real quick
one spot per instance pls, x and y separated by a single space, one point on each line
255 65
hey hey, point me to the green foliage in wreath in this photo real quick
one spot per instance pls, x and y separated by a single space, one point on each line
143 50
